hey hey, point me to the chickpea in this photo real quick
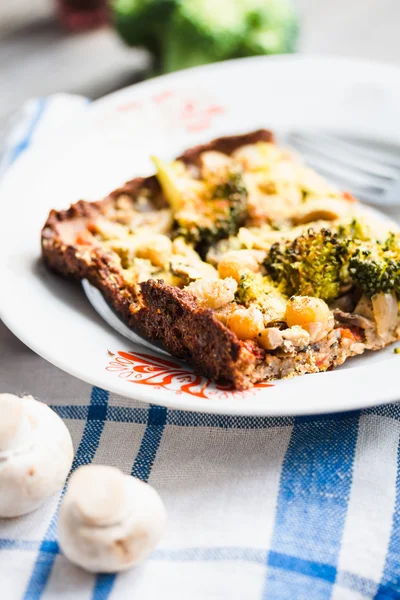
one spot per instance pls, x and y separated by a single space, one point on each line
157 248
247 323
237 262
312 314
213 293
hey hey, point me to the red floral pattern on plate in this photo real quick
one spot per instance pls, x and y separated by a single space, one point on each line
193 112
163 373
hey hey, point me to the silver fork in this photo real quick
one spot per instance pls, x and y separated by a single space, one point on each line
96 299
371 174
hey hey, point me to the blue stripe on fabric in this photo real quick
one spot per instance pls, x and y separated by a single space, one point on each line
87 449
391 572
304 567
195 419
117 414
312 504
388 593
151 440
8 544
156 421
103 586
125 414
391 411
25 142
78 413
328 417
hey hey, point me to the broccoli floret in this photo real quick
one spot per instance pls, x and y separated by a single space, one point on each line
310 265
258 290
252 288
317 263
376 267
204 31
372 274
217 216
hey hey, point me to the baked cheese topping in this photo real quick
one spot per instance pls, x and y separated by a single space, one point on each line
262 240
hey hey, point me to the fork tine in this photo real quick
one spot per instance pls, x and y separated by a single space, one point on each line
347 154
96 299
392 196
369 195
349 176
386 157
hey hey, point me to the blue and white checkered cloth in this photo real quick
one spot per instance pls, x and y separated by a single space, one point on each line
258 508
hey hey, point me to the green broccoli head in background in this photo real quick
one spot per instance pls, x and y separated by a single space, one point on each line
143 22
187 33
272 28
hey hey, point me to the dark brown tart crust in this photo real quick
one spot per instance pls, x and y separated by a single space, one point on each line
167 314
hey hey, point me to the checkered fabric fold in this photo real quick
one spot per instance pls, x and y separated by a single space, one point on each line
258 508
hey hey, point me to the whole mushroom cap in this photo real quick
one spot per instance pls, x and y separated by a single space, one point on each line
36 454
109 521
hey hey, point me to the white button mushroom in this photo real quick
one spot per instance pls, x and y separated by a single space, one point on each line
109 521
36 454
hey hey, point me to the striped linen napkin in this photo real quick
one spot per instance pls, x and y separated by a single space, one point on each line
258 508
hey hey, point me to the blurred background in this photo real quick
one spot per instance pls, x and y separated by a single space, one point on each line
93 47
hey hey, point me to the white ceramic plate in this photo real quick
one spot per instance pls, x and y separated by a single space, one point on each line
112 143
